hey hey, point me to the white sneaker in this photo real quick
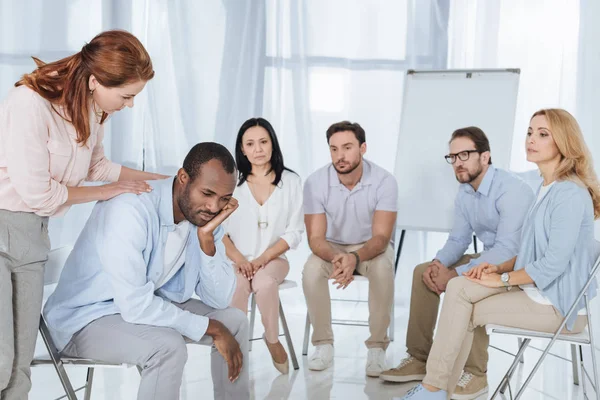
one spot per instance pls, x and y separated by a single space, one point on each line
375 362
322 358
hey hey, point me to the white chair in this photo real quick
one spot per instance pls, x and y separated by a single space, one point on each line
580 339
54 265
286 284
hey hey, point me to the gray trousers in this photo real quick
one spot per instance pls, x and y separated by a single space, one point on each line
24 247
161 352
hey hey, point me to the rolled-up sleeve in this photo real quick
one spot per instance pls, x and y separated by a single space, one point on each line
295 226
122 240
216 280
101 168
27 159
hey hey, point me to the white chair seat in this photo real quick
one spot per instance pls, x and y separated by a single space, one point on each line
583 337
287 284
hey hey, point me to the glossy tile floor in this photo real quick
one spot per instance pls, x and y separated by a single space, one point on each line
346 380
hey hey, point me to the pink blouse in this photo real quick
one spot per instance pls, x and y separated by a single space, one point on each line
39 155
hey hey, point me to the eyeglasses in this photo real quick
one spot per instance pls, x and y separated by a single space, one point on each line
462 156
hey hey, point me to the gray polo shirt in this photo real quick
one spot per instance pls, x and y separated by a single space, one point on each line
350 212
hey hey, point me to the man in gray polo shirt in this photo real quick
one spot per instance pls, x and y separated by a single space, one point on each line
350 214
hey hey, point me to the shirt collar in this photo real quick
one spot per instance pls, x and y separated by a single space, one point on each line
365 179
486 182
164 190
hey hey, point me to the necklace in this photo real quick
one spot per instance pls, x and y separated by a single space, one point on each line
262 224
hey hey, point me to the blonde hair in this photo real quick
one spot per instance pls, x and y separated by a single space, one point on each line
576 160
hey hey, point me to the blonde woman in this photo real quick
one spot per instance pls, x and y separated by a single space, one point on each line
535 289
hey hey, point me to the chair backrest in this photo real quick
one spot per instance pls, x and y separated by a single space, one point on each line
54 265
596 265
591 278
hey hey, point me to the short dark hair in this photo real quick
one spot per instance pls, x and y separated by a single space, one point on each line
482 144
344 126
204 152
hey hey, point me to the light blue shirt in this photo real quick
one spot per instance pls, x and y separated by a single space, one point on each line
495 212
558 249
117 261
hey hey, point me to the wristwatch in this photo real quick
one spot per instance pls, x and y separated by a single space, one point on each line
505 278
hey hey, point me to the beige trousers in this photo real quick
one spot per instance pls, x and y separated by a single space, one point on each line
424 306
380 273
468 305
265 286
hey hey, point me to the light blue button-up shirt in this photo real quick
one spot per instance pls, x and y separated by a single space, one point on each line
117 261
558 249
495 212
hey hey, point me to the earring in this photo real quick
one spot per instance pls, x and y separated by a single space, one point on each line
92 92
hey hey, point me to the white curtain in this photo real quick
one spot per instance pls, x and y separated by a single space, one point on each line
301 64
340 59
538 36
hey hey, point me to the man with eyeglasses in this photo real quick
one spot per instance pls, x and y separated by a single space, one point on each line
492 203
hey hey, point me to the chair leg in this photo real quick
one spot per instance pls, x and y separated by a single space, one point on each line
55 357
288 337
539 363
391 328
583 384
88 384
592 348
574 359
306 335
65 381
252 319
596 377
522 359
505 381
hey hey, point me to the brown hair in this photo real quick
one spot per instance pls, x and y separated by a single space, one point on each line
114 57
482 144
344 126
576 160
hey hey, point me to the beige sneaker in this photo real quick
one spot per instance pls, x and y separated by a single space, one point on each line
470 387
410 369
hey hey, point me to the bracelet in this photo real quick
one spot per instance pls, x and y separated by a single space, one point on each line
357 258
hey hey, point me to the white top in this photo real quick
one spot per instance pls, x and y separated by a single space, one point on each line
174 251
281 217
530 289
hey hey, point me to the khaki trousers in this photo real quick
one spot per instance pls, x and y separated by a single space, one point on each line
424 306
469 305
380 273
